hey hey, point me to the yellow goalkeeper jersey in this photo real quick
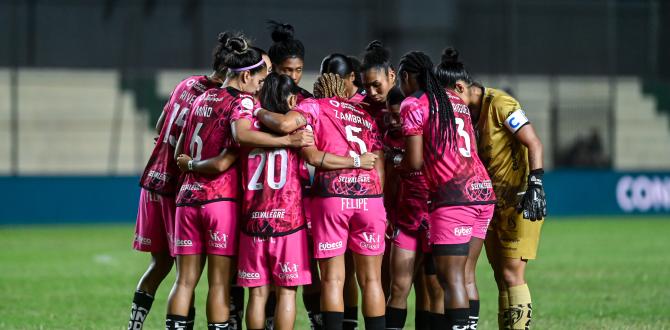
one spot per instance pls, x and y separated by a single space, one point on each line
505 158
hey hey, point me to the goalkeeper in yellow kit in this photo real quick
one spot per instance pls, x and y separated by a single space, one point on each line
512 154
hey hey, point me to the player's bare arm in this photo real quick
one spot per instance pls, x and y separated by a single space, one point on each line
379 167
328 161
413 159
280 123
179 146
160 122
527 136
244 135
214 165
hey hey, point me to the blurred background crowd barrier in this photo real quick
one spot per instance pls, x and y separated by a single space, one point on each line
82 83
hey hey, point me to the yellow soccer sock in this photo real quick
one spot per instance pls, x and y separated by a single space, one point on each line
503 307
520 307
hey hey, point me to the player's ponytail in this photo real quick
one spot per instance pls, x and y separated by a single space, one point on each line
377 56
441 113
240 56
330 85
284 44
276 90
450 70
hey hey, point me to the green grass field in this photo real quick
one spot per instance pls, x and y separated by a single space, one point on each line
591 274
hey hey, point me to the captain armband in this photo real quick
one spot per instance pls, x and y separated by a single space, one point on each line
516 120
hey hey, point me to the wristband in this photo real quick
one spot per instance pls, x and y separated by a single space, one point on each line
397 159
535 178
190 165
357 161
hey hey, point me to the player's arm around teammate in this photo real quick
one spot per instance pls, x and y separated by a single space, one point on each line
512 153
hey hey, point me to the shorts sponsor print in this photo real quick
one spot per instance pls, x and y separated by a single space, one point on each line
209 228
339 223
282 261
458 224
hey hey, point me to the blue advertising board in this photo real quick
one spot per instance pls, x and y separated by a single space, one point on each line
37 199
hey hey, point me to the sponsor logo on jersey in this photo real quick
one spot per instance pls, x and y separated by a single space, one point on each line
273 214
183 242
485 184
363 178
248 275
462 231
289 271
217 239
329 246
334 103
191 186
158 175
371 241
354 204
247 103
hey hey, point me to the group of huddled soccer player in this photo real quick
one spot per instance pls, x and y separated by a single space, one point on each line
386 177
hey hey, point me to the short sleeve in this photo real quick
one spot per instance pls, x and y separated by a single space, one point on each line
309 108
411 114
243 107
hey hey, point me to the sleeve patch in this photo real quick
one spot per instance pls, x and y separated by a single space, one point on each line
516 120
247 103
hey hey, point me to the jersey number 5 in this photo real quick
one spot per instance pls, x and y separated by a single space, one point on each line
353 138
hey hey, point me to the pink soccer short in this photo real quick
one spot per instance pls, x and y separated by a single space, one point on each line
457 224
155 222
339 223
209 228
282 261
412 240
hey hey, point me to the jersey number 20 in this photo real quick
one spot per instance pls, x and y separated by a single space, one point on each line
269 158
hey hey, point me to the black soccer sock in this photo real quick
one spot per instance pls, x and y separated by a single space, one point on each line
313 306
332 320
142 302
190 319
421 320
270 311
436 321
456 318
350 321
236 308
175 322
473 318
218 326
376 322
395 318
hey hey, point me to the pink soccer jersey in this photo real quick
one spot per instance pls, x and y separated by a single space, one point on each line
271 182
343 129
207 132
161 172
457 175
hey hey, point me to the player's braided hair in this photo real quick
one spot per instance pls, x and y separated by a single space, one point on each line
450 70
441 114
330 85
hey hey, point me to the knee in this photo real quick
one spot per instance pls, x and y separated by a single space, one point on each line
162 263
401 286
187 279
512 276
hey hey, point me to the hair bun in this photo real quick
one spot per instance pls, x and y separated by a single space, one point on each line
223 37
237 44
450 55
376 53
280 31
